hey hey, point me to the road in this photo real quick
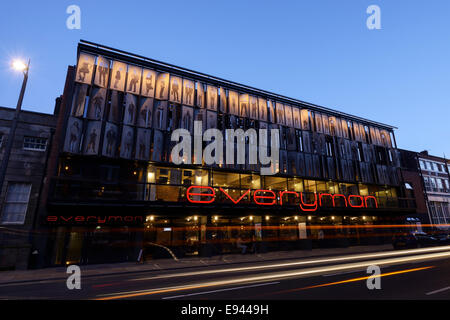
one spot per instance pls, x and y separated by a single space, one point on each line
405 274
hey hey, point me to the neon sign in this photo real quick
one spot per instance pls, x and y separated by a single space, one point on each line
269 198
93 219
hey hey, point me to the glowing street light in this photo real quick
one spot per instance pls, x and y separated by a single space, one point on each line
19 65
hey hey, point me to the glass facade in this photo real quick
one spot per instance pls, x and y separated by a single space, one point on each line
117 153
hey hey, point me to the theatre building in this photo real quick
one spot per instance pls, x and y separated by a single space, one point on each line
115 188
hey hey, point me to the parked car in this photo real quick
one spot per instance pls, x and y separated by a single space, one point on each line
443 239
414 240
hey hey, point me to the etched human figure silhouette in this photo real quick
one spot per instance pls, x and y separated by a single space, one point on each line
92 140
233 105
254 109
157 148
74 133
143 115
244 109
187 119
280 115
79 111
130 109
117 77
133 82
84 69
211 121
142 146
128 144
161 89
383 139
189 92
332 128
148 83
212 98
97 101
223 101
175 90
148 121
200 97
103 71
159 118
110 140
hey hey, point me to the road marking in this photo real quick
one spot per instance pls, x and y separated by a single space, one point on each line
352 280
437 291
220 290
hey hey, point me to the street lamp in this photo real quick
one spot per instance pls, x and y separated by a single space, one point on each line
19 66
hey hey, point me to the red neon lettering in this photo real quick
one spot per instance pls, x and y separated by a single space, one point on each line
234 201
52 218
340 195
264 197
314 205
370 197
324 194
356 206
68 219
212 195
283 192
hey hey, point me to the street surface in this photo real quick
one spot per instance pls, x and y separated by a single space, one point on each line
405 274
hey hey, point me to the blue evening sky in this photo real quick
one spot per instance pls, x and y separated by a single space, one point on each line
318 51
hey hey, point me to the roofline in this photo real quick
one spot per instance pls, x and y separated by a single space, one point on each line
27 111
118 54
425 156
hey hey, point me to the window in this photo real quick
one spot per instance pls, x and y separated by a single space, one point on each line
433 183
1 139
408 186
16 203
422 165
439 184
427 183
446 184
34 143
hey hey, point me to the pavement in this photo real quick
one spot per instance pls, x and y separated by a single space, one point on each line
54 273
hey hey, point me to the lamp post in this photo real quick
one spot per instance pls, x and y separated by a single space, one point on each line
19 66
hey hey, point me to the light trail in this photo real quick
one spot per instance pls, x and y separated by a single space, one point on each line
298 263
273 276
353 280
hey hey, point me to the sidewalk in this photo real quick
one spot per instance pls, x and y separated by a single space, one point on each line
170 264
